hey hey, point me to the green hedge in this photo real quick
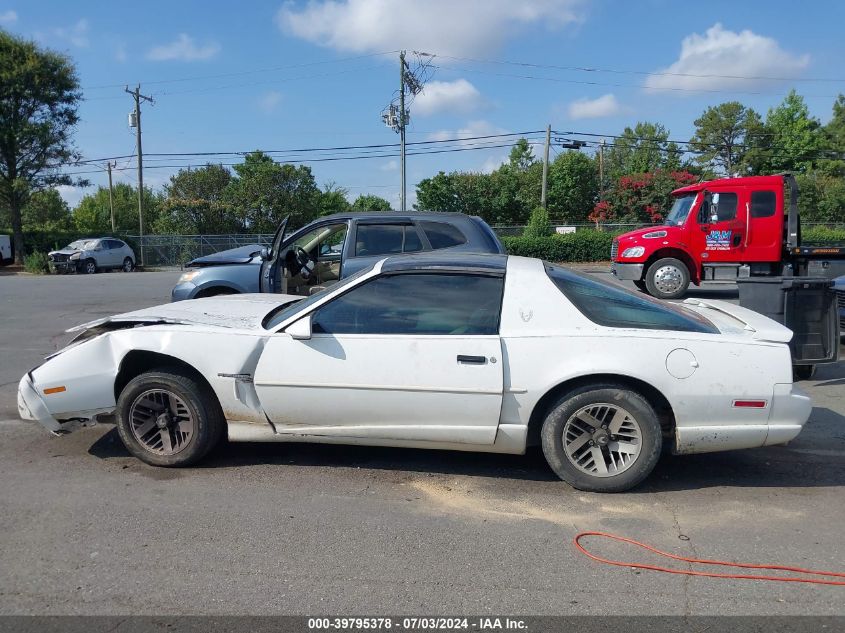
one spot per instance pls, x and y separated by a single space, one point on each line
594 246
583 246
822 235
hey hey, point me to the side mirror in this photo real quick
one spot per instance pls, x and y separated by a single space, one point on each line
264 253
300 330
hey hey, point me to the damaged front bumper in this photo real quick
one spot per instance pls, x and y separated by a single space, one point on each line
31 406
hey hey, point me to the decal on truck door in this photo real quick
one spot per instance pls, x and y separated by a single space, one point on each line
718 240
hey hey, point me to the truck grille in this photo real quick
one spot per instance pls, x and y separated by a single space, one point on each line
614 250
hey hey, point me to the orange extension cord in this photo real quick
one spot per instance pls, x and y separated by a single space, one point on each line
704 561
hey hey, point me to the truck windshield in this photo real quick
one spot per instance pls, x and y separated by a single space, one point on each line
680 210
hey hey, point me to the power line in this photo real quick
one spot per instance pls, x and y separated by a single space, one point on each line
591 69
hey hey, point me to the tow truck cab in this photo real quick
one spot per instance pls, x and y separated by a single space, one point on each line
719 231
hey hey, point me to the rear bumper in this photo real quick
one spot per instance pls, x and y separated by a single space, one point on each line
789 410
627 272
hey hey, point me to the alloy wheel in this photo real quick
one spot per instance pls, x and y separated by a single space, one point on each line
161 422
602 440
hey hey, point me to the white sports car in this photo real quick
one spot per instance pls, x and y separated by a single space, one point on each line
459 352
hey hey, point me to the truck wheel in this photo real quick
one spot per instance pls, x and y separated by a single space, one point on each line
89 266
667 278
602 438
166 417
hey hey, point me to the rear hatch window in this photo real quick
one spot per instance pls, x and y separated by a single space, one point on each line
611 306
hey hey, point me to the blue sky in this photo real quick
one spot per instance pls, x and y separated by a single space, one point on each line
282 75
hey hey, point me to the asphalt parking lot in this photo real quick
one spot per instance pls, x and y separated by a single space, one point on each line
306 529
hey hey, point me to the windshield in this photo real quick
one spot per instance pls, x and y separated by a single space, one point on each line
74 245
283 312
680 210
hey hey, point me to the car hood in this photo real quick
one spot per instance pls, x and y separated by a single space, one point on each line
66 251
639 233
240 255
242 312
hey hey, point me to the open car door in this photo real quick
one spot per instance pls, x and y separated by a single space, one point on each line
271 269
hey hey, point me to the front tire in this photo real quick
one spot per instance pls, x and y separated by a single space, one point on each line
602 438
167 417
667 278
89 267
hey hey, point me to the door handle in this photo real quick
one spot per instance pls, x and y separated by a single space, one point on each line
472 360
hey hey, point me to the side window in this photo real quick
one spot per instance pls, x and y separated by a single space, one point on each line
612 306
115 244
443 235
386 239
418 304
322 241
763 204
726 209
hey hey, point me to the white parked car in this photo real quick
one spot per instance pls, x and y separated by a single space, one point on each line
91 255
459 352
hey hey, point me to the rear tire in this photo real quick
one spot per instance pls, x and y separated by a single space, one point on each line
667 278
128 265
602 438
803 372
168 417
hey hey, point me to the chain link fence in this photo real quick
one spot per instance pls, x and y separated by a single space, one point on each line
176 250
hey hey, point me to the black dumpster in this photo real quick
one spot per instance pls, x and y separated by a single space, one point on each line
806 305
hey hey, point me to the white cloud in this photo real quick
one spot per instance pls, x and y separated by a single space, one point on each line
723 52
390 165
448 27
458 96
8 17
471 130
183 49
270 101
71 195
76 35
493 163
604 106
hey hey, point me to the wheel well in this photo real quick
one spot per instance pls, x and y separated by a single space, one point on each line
137 362
677 254
656 399
216 291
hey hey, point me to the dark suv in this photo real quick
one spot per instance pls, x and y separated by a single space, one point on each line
330 249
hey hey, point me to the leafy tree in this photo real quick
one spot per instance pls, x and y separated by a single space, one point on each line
645 148
369 202
539 224
573 186
92 214
46 210
794 138
333 199
39 96
205 183
521 156
641 198
724 135
822 197
833 137
264 192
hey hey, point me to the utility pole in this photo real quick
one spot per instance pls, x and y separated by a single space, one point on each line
546 167
601 170
402 123
111 197
138 98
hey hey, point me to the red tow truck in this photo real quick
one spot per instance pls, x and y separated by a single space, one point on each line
724 230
